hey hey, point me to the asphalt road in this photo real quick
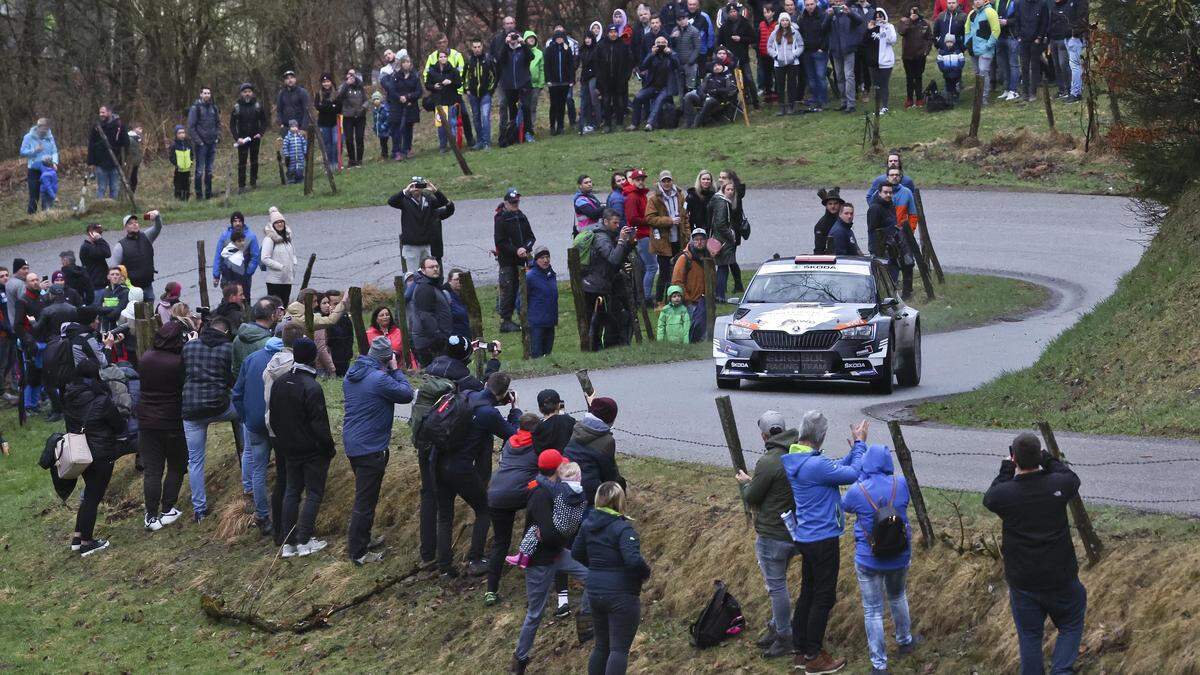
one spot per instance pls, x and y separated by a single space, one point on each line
1077 245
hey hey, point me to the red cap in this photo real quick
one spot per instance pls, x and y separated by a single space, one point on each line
637 173
550 460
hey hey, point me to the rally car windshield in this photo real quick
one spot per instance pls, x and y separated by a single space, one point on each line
827 288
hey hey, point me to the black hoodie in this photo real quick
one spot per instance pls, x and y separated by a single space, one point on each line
161 372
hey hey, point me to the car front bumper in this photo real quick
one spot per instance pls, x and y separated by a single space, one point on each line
855 360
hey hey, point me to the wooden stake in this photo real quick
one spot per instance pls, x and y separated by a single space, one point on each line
909 239
585 383
310 328
462 161
312 259
308 160
1049 108
976 107
120 169
733 441
279 161
471 300
639 290
575 271
627 285
1092 545
480 360
202 270
526 334
143 324
927 249
324 165
914 487
710 297
401 319
356 320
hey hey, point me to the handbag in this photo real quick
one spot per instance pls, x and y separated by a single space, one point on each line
744 227
714 246
72 455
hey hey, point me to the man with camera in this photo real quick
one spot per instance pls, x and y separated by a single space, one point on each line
845 35
1030 495
515 81
659 69
607 306
423 207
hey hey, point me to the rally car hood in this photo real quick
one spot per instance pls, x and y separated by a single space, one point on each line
800 317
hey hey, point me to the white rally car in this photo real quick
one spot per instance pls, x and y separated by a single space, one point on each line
820 318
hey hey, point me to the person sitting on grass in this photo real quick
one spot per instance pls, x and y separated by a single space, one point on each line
674 321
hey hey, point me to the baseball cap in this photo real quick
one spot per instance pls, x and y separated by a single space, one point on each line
771 422
550 460
637 173
699 232
126 219
512 195
664 174
289 72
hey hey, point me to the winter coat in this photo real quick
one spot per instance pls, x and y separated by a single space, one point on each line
118 139
689 274
353 99
841 240
253 252
371 393
708 34
553 432
558 64
1007 10
814 28
663 230
235 264
112 302
432 323
783 52
300 418
768 492
34 155
136 253
161 372
88 408
509 488
486 424
609 547
77 279
1033 20
882 235
393 334
741 28
686 45
539 513
295 152
884 37
765 30
514 66
635 208
295 312
587 62
233 312
51 319
208 375
918 38
328 107
950 60
293 103
949 23
674 322
421 220
247 119
608 255
616 202
446 95
408 85
537 66
983 31
278 256
511 231
592 447
250 338
542 285
480 77
587 210
249 392
845 32
720 86
879 481
94 255
613 64
1035 534
815 478
660 70
204 123
721 226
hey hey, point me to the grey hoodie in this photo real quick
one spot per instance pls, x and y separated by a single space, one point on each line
279 365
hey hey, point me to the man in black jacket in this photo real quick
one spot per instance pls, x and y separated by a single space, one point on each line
94 253
292 103
76 277
247 124
302 434
613 62
515 79
814 30
99 157
716 92
479 82
1030 495
660 68
883 239
423 207
831 199
841 239
607 305
432 322
1033 20
204 130
514 240
737 35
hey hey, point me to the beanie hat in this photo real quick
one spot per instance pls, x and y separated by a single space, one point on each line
85 315
605 408
305 351
179 128
381 349
550 460
174 290
274 216
377 96
18 263
245 86
57 277
458 347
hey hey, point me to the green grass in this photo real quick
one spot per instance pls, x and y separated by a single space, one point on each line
1127 367
808 150
965 300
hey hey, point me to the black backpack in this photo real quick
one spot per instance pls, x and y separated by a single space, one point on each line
721 618
446 426
934 100
668 115
888 537
508 135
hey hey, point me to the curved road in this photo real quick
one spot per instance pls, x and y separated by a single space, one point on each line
1078 245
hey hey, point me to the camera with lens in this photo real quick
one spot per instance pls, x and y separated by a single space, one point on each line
419 183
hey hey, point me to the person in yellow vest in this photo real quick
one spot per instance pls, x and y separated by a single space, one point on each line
181 158
460 64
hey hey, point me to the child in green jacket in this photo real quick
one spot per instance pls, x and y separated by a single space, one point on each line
674 321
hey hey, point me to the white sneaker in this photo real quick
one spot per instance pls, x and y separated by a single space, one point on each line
153 524
288 551
169 517
883 111
311 547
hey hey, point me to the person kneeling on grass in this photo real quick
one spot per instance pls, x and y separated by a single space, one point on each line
674 321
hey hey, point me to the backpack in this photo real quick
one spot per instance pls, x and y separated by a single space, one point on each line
721 618
934 100
668 115
446 426
432 389
583 243
508 135
889 533
58 362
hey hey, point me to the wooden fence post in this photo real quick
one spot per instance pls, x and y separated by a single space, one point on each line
526 334
120 169
1049 107
737 74
922 266
324 165
627 284
710 297
310 328
401 319
927 250
639 290
202 270
914 487
1083 522
279 161
313 138
733 441
143 313
976 108
575 271
441 118
312 259
480 361
471 300
356 320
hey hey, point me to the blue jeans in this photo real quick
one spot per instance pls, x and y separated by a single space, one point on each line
875 586
108 182
722 280
205 154
649 260
541 341
196 433
329 142
539 581
815 64
773 558
448 132
652 99
256 455
1066 608
699 321
1008 58
481 113
33 390
1075 61
589 104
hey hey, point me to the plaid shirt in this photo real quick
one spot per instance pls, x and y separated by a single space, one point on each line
295 149
207 379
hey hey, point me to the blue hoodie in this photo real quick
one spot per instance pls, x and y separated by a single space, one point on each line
34 157
815 479
877 480
543 297
371 394
252 250
249 399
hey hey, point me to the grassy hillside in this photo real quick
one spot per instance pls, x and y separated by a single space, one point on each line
137 606
1128 367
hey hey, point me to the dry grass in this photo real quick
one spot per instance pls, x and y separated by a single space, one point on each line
1030 155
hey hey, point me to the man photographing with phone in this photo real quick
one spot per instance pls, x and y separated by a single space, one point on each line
423 207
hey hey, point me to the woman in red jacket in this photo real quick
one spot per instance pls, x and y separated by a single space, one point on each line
766 64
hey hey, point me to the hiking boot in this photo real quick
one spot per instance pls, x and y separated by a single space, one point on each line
368 558
767 638
376 543
782 646
879 671
631 127
905 650
799 662
823 663
507 326
517 667
908 103
264 527
92 547
310 547
477 568
288 551
152 523
169 517
54 417
490 598
583 627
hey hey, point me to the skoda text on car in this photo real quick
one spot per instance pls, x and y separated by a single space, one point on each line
820 318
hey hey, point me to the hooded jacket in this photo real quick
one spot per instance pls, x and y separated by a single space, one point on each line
486 424
94 255
884 37
559 63
399 83
635 208
511 231
845 32
877 480
114 130
983 31
253 250
88 408
431 322
918 38
421 219
608 254
445 95
301 419
250 338
740 27
674 323
592 447
509 488
613 63
514 66
540 513
659 70
610 548
371 393
247 119
537 66
249 393
29 148
279 365
80 281
353 98
689 274
278 257
161 371
815 479
785 52
1033 20
292 103
949 23
769 493
554 432
208 375
204 123
587 210
542 285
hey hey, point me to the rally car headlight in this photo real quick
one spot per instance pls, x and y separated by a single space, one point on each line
863 332
736 332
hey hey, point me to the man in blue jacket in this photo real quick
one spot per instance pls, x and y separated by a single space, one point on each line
237 223
250 401
373 386
816 526
880 578
845 34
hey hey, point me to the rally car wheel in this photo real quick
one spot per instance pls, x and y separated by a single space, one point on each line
727 382
885 382
910 374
